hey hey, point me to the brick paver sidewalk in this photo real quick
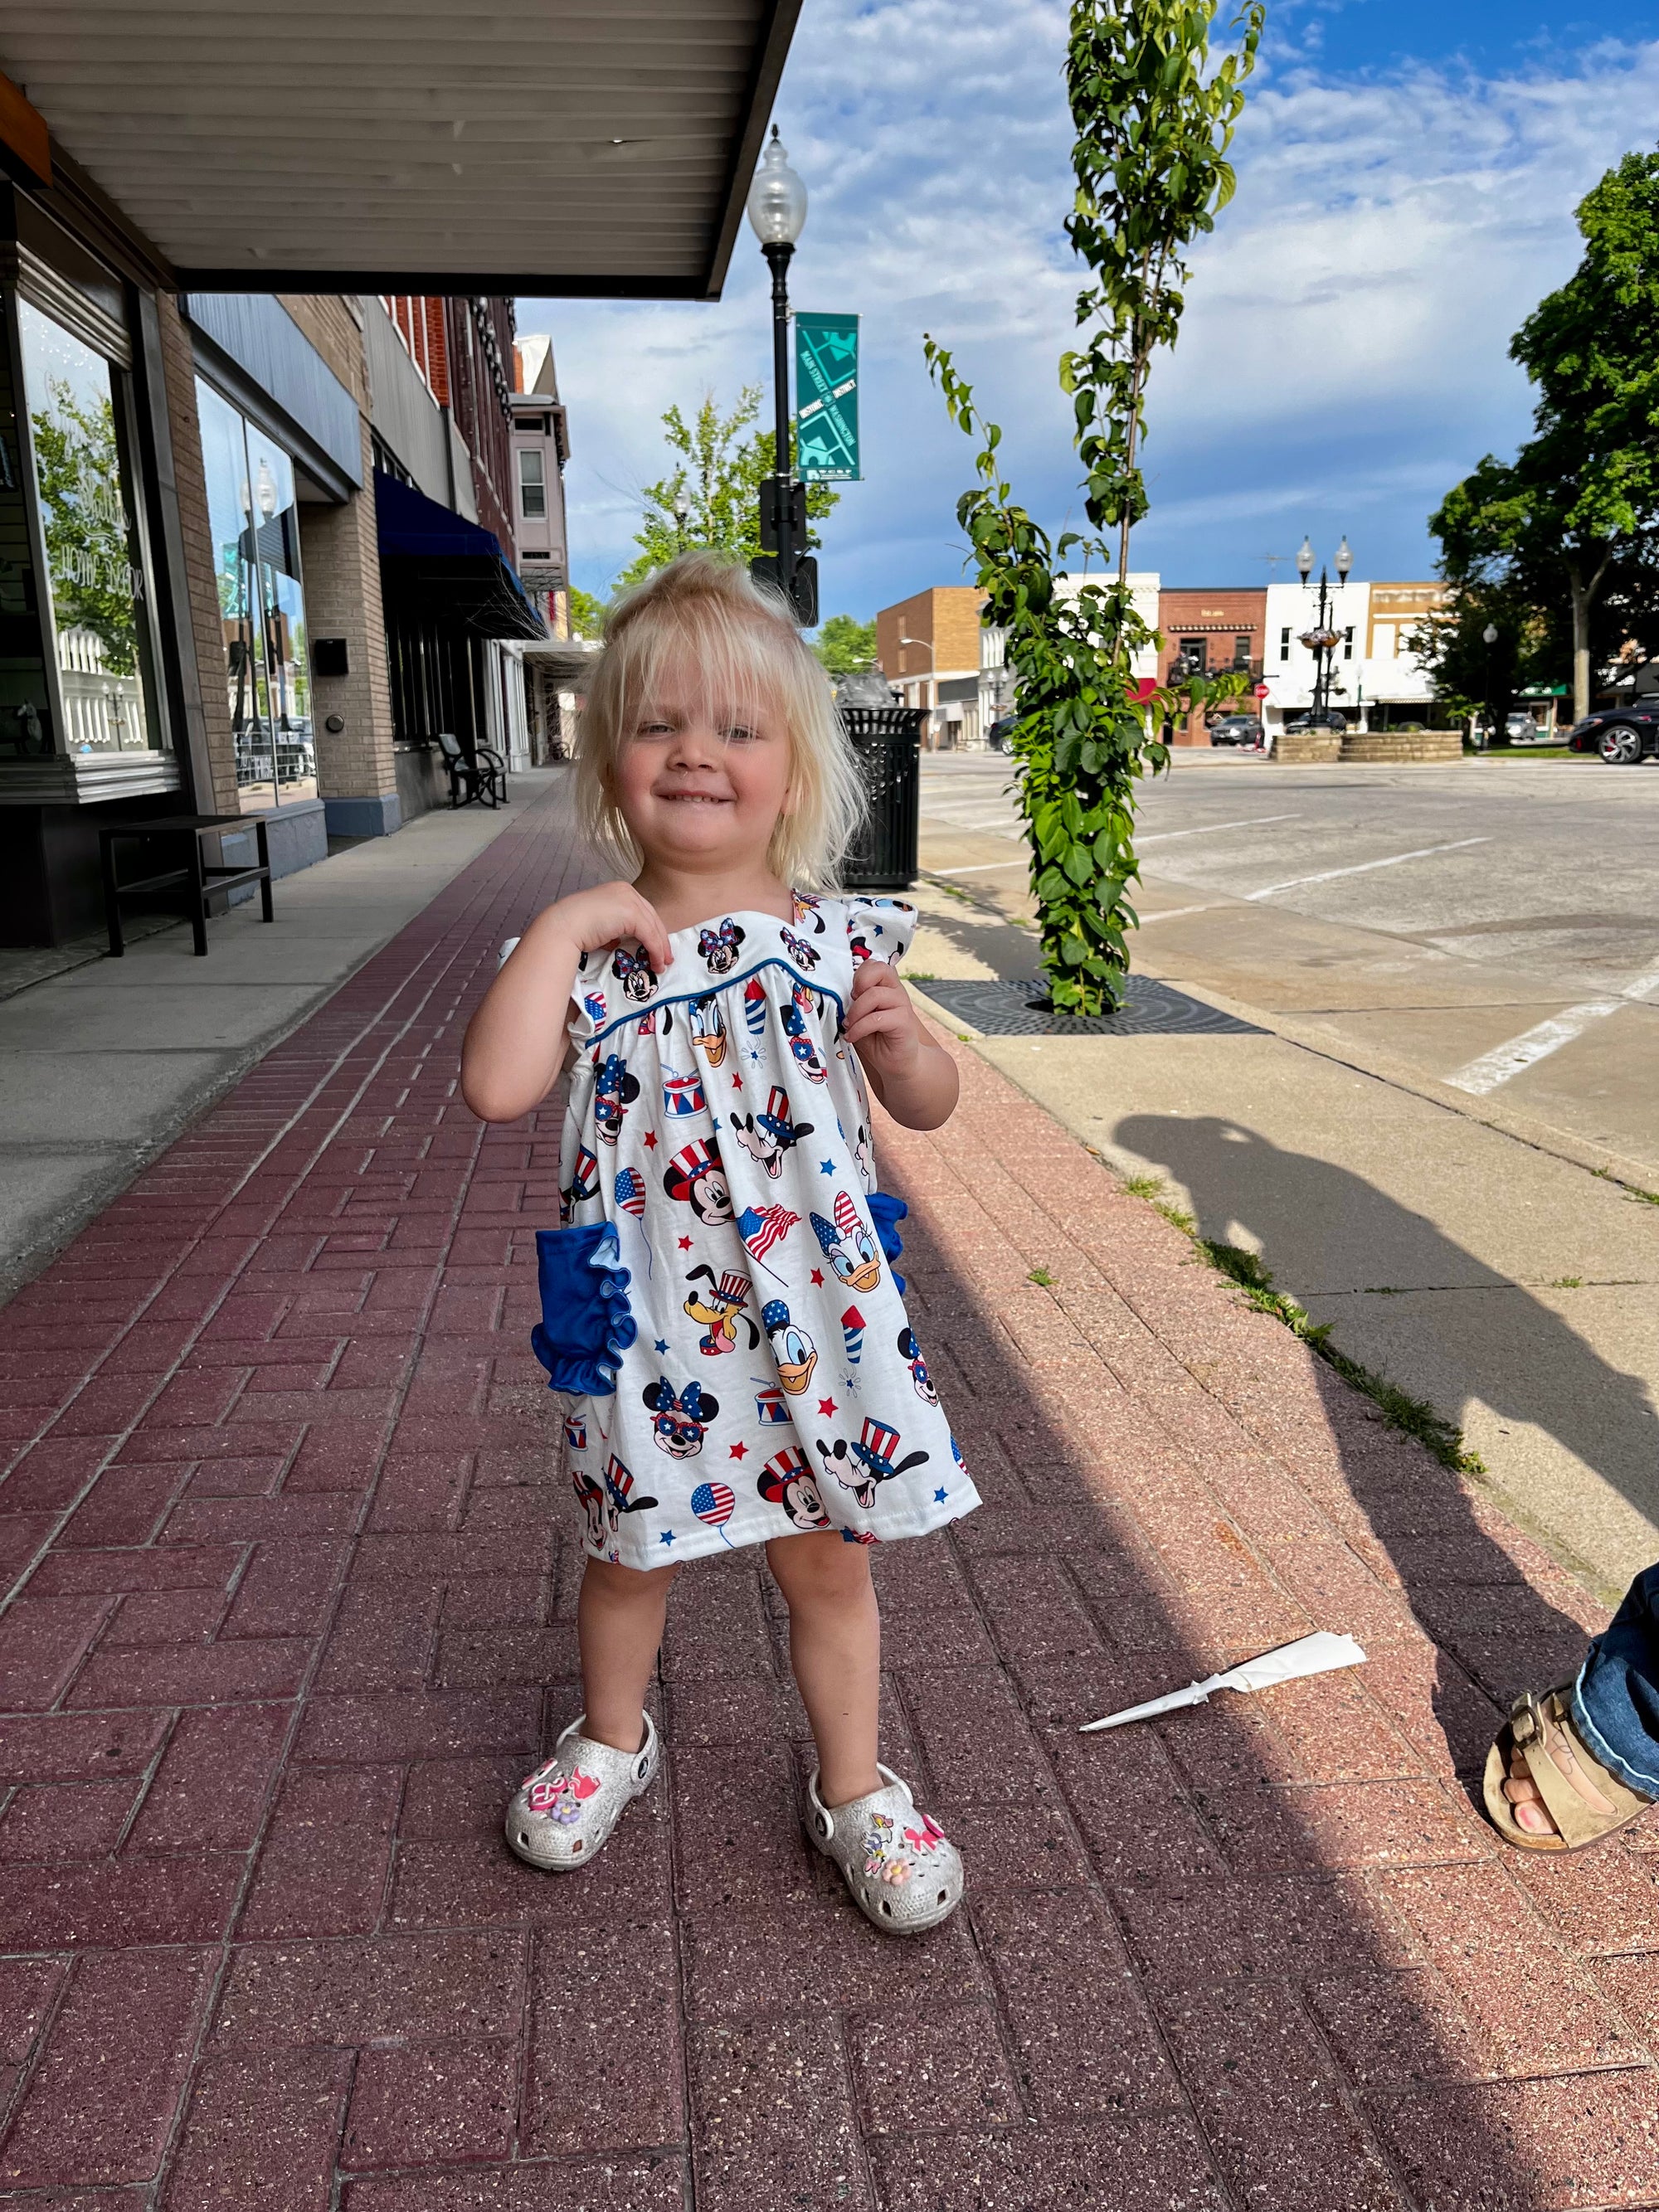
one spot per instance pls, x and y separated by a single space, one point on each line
294 1573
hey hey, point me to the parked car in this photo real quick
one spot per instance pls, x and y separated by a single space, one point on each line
1235 730
1624 736
999 733
1328 720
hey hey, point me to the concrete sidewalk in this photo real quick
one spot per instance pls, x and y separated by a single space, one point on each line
292 1568
1481 1260
102 1060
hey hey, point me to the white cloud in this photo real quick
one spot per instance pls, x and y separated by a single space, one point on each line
1344 357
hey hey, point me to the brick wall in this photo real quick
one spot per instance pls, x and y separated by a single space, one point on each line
342 563
201 583
1220 615
946 617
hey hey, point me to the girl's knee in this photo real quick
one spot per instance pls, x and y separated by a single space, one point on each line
821 1564
630 1585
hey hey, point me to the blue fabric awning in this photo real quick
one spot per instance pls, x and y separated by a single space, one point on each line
436 562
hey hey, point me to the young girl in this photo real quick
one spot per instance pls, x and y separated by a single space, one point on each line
720 1305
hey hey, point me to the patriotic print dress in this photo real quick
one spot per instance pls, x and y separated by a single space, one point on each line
720 1305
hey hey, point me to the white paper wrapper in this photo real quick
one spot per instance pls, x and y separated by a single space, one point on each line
1318 1653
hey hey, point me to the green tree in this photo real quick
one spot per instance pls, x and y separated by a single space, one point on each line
1579 504
1153 122
712 496
88 547
586 613
1471 677
846 647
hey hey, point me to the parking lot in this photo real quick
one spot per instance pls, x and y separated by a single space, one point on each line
1494 925
1443 1137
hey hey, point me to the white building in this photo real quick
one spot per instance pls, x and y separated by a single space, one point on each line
1377 682
996 685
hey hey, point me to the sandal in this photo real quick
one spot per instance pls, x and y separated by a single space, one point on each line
1562 1771
904 1872
562 1815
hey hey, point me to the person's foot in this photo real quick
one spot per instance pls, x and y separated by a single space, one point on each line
1531 1812
902 1870
561 1816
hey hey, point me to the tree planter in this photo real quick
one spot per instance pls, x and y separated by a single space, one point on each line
1403 745
1306 748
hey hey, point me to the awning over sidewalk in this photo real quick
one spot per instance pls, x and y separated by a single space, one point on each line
589 152
437 565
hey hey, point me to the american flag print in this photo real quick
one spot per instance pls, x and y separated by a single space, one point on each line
761 1227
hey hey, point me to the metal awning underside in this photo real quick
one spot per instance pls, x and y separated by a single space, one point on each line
588 148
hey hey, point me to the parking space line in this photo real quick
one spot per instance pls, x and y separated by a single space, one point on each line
1213 829
983 867
1365 867
1504 1061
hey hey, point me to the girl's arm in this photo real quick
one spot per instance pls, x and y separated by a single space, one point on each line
915 1078
516 1042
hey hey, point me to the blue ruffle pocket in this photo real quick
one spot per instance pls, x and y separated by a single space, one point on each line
886 1212
586 1324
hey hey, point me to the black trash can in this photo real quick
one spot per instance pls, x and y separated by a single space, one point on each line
887 741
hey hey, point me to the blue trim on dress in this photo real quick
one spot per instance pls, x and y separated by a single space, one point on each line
716 985
886 1212
586 1324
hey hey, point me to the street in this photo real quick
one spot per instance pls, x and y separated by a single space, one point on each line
1441 1137
1494 926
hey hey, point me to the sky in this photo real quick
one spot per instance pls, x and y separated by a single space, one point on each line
1407 172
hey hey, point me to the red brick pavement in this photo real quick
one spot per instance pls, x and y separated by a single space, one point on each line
291 1577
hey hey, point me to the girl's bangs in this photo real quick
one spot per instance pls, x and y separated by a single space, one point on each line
714 662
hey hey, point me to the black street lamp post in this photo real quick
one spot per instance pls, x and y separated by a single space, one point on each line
777 210
1322 640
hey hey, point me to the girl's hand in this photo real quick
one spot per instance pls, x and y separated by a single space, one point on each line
883 1024
915 1078
595 920
516 1042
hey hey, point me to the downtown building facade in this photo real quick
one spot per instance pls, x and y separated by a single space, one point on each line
927 650
259 482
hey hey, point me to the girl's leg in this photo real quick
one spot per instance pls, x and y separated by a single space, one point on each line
835 1647
619 1623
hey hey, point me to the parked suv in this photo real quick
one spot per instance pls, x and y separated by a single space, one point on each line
1235 730
1330 719
1624 736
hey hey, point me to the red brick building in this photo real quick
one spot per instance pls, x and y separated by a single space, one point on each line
1217 629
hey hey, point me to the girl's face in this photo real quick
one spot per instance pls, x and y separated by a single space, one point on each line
697 788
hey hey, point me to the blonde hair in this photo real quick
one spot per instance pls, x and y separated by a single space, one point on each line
747 656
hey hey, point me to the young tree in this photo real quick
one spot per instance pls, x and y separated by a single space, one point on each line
586 612
1580 501
713 497
846 647
1153 124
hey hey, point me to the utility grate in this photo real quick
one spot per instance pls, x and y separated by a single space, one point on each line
1001 1008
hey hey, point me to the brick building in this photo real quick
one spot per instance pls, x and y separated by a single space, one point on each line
929 646
257 508
1215 630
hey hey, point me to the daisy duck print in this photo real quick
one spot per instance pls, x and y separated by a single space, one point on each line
721 1315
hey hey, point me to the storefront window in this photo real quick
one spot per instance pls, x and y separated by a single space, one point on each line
96 579
256 545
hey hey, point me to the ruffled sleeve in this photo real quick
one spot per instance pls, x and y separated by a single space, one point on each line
879 928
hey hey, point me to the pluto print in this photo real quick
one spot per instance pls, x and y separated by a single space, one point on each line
720 1303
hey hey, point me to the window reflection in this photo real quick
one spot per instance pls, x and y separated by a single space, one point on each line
256 545
96 583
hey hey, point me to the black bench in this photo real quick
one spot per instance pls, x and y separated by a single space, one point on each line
481 774
190 873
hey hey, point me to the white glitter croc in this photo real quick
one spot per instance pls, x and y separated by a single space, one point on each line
902 1870
562 1815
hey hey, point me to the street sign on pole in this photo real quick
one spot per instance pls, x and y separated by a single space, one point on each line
827 399
1261 690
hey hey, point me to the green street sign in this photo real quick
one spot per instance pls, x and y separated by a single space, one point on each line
827 399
